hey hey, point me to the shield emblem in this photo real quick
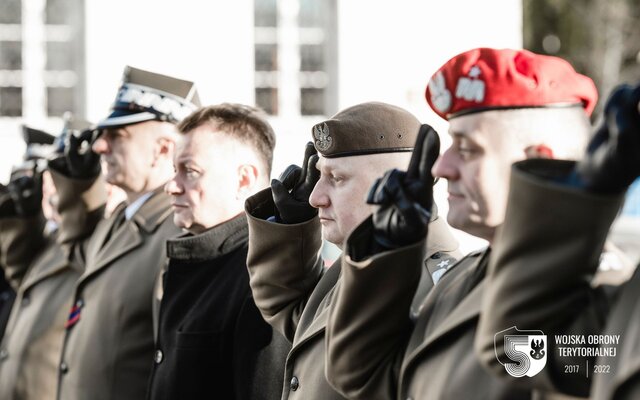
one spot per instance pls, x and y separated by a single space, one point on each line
522 353
322 136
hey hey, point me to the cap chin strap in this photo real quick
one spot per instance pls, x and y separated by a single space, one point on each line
364 152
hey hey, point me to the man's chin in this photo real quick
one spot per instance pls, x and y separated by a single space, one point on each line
332 236
456 220
181 222
112 178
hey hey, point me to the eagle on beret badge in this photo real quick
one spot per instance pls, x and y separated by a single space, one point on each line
323 138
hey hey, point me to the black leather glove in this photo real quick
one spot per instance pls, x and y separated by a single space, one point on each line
25 191
82 161
612 161
406 198
79 160
292 190
7 209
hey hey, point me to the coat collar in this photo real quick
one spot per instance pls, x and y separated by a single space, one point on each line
213 243
155 210
440 238
467 309
130 235
313 321
54 260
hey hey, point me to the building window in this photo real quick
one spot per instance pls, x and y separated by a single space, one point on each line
10 58
41 58
295 57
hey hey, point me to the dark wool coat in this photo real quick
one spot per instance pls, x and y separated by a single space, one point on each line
212 341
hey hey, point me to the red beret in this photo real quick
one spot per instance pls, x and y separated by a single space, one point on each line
485 79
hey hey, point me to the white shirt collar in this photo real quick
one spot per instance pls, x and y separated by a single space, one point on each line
135 206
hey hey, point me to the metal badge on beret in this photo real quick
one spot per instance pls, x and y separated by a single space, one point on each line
323 139
366 128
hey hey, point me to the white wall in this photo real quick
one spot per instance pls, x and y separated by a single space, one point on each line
209 42
388 51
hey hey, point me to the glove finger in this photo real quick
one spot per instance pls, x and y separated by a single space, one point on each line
278 191
372 191
312 175
290 176
627 113
92 160
309 150
87 136
599 138
413 170
432 152
72 146
387 187
95 134
380 196
419 192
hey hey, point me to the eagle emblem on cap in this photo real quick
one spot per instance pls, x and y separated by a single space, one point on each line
440 95
471 88
322 136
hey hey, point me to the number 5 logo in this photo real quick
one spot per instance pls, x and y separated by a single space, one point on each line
521 352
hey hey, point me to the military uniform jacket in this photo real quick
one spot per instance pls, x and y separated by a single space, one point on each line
545 272
7 295
30 349
211 336
108 347
376 351
294 292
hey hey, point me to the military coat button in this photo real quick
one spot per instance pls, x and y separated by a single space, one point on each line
64 368
294 384
4 354
158 357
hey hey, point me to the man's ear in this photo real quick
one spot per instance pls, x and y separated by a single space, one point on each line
538 151
247 180
164 149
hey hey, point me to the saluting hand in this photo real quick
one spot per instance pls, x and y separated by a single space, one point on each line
292 190
406 198
79 161
83 163
612 161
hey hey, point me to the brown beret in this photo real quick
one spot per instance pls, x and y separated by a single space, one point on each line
366 128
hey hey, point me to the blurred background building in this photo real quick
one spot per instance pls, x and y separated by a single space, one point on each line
299 60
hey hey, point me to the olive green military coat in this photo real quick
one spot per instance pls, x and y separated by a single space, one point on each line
294 291
545 272
44 278
109 351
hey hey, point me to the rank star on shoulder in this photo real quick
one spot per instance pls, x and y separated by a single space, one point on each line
443 264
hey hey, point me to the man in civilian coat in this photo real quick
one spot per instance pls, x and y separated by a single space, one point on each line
502 106
544 271
44 277
212 341
109 342
326 200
